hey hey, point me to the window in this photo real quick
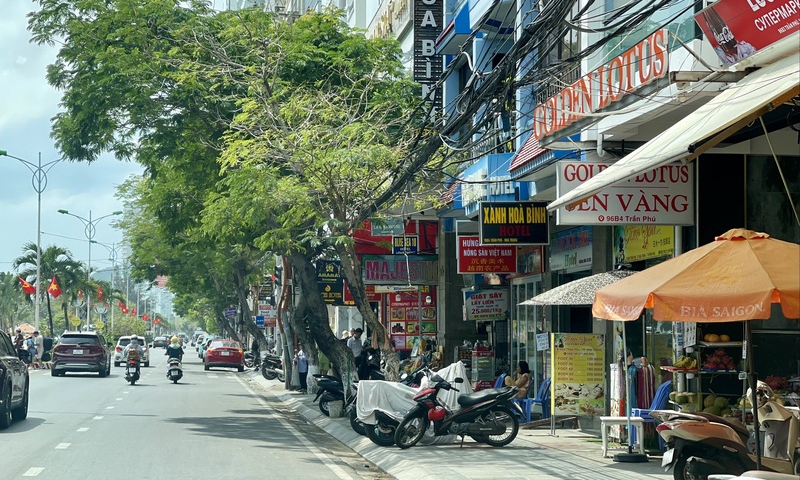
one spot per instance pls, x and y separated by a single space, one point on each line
79 340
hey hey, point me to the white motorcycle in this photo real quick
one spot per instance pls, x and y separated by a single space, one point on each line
174 370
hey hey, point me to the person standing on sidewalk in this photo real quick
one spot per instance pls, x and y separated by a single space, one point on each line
38 341
301 362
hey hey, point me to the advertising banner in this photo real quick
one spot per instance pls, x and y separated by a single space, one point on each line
571 249
737 29
485 305
633 243
529 260
513 223
329 282
476 258
405 310
663 196
578 384
371 295
402 244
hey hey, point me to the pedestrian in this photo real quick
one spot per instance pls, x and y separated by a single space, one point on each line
345 334
38 341
30 346
19 340
354 342
301 362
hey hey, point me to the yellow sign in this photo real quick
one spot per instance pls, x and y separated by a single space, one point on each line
100 324
74 321
640 242
578 384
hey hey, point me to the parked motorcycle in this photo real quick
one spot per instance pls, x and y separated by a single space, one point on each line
252 361
329 389
272 367
702 444
175 370
132 371
488 416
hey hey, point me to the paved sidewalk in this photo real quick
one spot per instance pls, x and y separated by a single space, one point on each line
535 454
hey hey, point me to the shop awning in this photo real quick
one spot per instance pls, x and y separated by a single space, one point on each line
738 105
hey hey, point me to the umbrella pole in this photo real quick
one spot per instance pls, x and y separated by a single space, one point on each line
629 457
753 377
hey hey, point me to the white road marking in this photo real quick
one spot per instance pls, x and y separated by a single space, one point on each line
214 375
33 472
109 408
326 459
126 392
63 446
99 417
121 397
83 429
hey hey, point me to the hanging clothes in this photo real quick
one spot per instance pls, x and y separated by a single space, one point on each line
645 384
632 388
617 398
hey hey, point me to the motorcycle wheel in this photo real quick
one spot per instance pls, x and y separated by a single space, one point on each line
680 470
512 427
382 433
267 373
248 362
281 377
323 406
133 382
358 426
174 380
411 430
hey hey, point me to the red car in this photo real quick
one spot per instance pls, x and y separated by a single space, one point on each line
224 353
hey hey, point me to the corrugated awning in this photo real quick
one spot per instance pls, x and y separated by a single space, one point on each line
529 151
698 132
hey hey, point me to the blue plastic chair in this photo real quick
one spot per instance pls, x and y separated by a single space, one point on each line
542 398
659 403
499 382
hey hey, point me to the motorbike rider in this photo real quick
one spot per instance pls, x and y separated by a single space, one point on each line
133 351
174 349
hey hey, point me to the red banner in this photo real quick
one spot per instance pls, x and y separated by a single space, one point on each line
739 28
476 258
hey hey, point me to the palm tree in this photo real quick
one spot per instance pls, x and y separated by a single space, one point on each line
55 262
13 305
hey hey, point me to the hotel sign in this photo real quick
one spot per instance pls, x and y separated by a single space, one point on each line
428 23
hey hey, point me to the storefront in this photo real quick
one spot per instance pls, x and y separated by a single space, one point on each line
528 321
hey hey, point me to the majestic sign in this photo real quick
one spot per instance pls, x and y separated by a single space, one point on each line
642 64
663 196
737 29
397 269
476 258
485 305
514 223
428 23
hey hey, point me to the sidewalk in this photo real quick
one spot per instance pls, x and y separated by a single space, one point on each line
535 454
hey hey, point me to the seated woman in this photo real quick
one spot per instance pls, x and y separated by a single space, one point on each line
521 379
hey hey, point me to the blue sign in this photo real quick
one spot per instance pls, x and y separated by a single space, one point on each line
229 312
260 321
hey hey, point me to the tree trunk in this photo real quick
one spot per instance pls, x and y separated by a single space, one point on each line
351 267
316 316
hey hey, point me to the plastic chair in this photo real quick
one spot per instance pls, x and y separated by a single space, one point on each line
499 382
542 398
659 403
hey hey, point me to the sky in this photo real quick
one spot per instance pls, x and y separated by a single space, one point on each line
27 103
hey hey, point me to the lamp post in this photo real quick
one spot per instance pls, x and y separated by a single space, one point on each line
89 230
112 250
39 182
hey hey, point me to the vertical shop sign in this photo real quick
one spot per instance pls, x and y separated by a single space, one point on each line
633 243
428 24
329 282
578 374
476 258
405 309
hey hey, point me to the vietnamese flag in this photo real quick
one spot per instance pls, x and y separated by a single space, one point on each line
145 317
120 304
124 309
54 290
133 311
26 286
100 292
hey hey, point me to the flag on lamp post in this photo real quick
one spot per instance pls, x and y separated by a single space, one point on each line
124 309
133 311
100 293
26 286
54 289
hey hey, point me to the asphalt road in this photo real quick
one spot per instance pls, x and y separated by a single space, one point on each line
211 425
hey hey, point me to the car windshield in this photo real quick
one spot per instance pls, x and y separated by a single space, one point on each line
224 343
78 340
125 341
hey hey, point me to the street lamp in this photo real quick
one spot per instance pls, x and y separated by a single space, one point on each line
112 250
89 230
39 182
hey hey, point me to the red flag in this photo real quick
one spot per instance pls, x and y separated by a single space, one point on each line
26 286
145 317
133 311
120 304
54 290
80 294
124 309
100 293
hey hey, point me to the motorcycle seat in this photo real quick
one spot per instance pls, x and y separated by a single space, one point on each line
474 398
736 426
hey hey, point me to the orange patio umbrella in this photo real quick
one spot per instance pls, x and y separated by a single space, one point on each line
736 277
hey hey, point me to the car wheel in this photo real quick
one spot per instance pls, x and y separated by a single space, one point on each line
54 373
21 412
205 367
146 364
241 369
103 373
116 364
5 415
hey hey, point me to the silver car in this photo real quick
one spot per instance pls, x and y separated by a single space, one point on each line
122 343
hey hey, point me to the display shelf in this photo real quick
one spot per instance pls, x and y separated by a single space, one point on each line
718 344
714 370
678 369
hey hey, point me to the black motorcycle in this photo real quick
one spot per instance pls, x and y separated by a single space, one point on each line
488 416
272 367
251 360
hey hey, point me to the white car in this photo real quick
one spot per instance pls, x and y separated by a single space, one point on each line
122 343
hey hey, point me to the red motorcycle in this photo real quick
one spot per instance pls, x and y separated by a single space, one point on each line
488 416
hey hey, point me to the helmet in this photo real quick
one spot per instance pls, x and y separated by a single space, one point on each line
175 340
134 337
436 414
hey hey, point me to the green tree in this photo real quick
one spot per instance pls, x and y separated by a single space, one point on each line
55 262
14 305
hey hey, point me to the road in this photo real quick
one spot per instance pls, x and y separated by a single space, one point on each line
211 425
